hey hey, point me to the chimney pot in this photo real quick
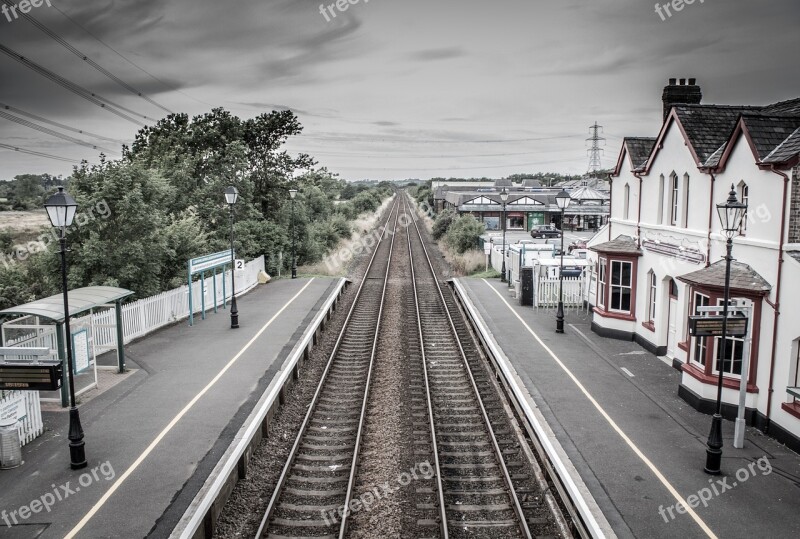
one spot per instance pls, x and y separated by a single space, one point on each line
692 82
683 82
682 94
672 82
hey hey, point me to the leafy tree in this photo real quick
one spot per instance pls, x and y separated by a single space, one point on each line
443 222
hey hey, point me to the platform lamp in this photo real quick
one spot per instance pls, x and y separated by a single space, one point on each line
61 210
231 196
504 199
731 214
292 194
562 200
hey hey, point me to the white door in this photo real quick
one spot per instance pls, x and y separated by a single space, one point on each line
672 336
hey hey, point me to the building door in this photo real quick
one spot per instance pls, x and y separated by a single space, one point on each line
672 334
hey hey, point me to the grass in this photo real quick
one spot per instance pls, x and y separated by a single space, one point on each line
491 273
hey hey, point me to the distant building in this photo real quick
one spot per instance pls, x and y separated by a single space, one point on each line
660 258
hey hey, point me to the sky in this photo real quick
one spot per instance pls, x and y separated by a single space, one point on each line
390 89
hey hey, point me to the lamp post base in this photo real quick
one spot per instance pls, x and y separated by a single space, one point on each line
77 449
234 314
503 273
560 318
714 447
294 272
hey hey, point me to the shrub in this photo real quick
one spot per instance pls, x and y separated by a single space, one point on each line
463 234
442 223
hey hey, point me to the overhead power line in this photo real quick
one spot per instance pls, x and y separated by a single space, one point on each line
39 154
427 141
48 131
131 62
57 124
61 41
88 95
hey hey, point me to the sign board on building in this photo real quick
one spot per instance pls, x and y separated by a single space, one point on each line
30 376
13 409
711 326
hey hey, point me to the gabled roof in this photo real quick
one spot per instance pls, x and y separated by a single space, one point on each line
531 184
621 245
709 126
786 150
639 149
587 193
503 182
788 107
743 278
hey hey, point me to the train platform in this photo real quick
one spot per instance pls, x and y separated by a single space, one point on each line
153 439
637 446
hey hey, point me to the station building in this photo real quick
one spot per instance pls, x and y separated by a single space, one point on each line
661 255
529 205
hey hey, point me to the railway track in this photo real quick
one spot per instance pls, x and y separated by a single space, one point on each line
485 481
319 474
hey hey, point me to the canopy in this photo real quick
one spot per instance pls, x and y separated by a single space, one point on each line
80 301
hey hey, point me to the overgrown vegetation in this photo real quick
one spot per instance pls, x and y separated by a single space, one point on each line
165 205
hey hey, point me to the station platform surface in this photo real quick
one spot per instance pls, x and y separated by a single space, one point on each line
638 447
153 439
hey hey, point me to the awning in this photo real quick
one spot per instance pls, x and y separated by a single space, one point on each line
81 300
744 279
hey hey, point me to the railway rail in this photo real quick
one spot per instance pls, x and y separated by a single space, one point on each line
486 481
319 474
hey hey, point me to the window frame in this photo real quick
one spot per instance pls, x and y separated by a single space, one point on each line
699 343
744 197
674 199
601 283
652 298
621 287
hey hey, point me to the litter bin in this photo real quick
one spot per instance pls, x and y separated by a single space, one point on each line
10 447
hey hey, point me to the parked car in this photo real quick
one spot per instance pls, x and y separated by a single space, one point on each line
544 231
577 244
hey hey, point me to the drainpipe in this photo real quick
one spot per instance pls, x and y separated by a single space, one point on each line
777 305
710 215
639 214
610 203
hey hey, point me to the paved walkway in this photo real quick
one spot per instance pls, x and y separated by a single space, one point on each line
614 407
152 439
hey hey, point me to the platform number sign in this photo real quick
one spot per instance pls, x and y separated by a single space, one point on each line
239 264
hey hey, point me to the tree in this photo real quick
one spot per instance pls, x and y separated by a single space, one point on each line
463 234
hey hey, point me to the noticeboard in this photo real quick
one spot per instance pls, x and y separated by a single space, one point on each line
80 351
711 326
30 375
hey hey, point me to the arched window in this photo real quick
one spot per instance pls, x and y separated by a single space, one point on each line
674 201
744 197
661 200
652 282
627 203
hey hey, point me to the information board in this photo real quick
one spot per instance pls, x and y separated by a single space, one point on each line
711 326
80 351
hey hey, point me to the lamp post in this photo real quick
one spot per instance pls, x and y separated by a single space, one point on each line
504 199
731 214
231 196
292 194
562 199
61 210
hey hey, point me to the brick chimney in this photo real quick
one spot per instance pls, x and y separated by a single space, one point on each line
681 92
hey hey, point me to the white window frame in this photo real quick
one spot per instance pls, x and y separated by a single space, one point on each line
674 187
685 215
653 282
601 283
738 343
744 197
661 184
699 342
627 205
621 286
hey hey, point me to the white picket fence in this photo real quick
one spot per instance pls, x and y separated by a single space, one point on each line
547 292
138 319
24 406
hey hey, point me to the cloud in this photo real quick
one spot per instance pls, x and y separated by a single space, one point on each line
432 55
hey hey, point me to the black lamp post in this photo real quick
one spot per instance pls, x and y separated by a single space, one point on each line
730 215
231 196
504 199
292 194
61 210
562 199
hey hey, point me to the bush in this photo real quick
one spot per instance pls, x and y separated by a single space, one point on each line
442 223
463 234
